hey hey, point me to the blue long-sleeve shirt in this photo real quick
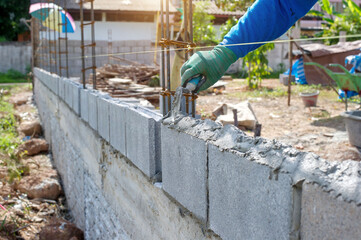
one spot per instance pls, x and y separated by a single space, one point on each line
265 20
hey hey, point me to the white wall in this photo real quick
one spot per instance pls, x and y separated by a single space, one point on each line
120 31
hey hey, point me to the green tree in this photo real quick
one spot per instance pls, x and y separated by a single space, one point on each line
203 30
11 11
349 21
234 5
257 65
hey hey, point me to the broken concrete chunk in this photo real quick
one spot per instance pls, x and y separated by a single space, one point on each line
245 115
30 128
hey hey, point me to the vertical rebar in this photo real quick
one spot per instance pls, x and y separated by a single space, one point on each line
60 26
162 73
82 42
48 30
191 52
93 45
185 19
168 55
55 50
66 41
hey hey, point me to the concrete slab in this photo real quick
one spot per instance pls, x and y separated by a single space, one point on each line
326 217
68 87
61 88
117 125
245 201
84 111
184 170
103 117
142 140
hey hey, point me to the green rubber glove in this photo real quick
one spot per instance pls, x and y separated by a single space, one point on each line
211 64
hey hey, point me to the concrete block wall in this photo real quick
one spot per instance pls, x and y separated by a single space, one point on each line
15 56
128 176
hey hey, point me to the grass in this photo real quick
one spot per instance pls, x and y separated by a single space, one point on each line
13 76
9 141
277 91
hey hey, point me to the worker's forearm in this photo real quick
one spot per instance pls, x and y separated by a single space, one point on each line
265 20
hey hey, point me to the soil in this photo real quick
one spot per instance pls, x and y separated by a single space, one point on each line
319 129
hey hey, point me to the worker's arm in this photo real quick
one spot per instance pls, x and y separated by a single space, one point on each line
265 20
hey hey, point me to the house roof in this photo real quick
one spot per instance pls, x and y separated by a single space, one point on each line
116 5
212 9
319 50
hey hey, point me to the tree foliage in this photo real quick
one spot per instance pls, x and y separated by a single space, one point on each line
349 21
203 30
11 11
234 5
257 65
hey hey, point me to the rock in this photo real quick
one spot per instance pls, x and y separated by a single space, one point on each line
20 99
61 230
33 147
30 128
39 186
245 115
6 189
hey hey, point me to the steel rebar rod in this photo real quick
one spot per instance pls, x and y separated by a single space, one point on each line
191 52
168 55
66 42
59 44
185 19
55 50
82 41
162 73
93 47
48 31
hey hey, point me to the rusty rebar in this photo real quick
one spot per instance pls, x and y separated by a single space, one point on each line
162 73
82 41
94 44
168 55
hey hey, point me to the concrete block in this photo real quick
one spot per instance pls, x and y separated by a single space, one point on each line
84 114
117 126
103 118
93 109
326 217
76 98
61 88
245 201
68 87
184 170
142 139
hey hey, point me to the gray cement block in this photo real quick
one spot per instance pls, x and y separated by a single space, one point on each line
68 87
84 104
93 109
184 170
142 140
103 117
326 217
61 88
76 98
245 201
117 126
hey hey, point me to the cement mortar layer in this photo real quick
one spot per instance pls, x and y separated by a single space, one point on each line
340 179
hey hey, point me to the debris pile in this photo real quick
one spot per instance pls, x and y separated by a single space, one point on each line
124 81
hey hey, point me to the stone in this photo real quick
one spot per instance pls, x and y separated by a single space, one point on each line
20 98
184 170
30 128
40 186
324 216
117 125
60 229
245 115
142 139
246 199
33 147
103 118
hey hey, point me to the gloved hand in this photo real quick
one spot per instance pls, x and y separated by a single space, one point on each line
211 64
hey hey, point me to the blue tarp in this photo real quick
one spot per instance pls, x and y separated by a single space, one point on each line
298 71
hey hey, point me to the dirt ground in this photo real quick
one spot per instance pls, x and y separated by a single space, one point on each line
319 129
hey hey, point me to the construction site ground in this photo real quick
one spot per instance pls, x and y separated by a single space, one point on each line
319 129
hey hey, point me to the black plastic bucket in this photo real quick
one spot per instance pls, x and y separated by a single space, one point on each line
353 127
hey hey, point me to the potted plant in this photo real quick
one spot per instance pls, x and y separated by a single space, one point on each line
309 95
